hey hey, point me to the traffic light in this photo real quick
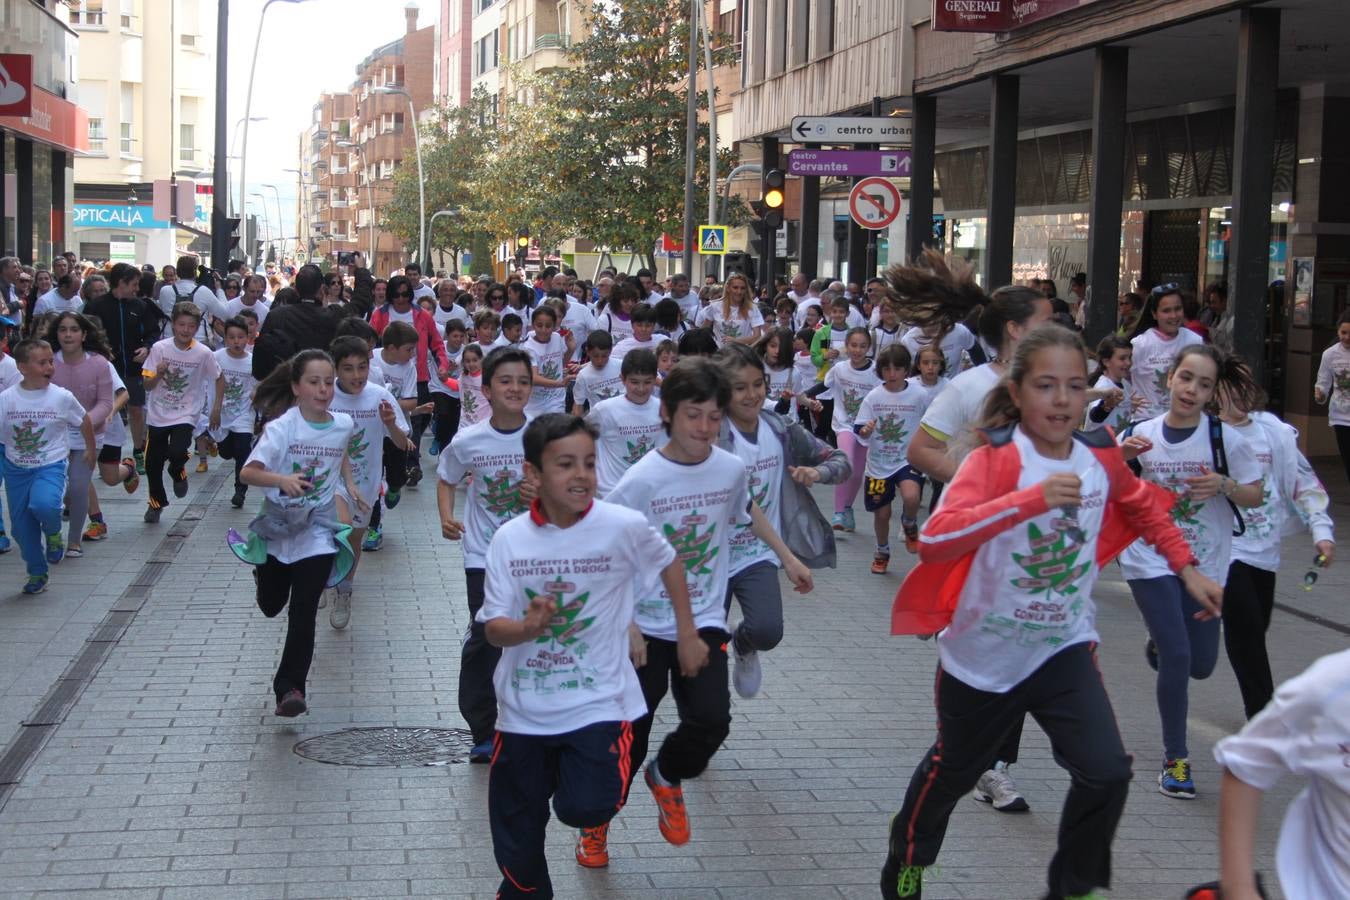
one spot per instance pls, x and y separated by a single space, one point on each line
772 196
522 246
232 229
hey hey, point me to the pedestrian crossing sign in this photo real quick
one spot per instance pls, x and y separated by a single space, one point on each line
712 240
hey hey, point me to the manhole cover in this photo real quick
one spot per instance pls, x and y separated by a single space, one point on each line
389 747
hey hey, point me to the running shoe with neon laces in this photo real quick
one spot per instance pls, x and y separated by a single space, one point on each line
880 561
901 882
133 479
1175 779
911 537
997 788
138 459
152 512
56 548
674 820
5 545
837 521
374 540
593 847
391 499
436 450
35 584
97 531
849 524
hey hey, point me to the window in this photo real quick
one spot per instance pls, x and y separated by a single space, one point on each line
484 4
485 54
128 120
86 13
127 19
98 137
187 143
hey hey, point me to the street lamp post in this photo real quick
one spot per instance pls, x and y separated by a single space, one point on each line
276 195
370 190
421 176
234 142
248 98
302 210
262 202
431 226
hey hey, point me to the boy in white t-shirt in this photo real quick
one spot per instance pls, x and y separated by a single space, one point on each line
232 409
548 351
643 320
398 370
599 379
1305 731
177 374
630 426
492 453
34 417
561 587
377 420
697 494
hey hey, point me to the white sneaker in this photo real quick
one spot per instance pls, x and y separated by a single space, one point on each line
323 597
997 788
746 674
341 613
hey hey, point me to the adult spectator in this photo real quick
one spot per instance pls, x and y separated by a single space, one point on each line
132 323
431 359
798 287
681 294
10 271
251 297
197 284
813 291
64 296
447 305
306 322
1127 312
413 272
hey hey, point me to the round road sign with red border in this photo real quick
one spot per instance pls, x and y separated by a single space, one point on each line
874 203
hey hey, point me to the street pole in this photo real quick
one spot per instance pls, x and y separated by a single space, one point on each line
220 179
276 196
432 224
691 139
712 132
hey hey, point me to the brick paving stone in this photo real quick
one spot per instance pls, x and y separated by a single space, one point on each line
169 778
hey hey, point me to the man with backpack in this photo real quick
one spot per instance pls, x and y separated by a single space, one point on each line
201 287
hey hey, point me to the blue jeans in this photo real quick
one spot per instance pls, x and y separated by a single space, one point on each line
35 508
1187 648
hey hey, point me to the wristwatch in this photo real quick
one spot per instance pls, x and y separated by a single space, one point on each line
1227 486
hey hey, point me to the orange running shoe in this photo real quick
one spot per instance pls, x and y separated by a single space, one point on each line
879 563
912 538
674 822
593 847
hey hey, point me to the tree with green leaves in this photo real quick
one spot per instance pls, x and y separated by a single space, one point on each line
455 148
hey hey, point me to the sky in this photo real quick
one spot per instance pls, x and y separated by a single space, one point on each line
307 48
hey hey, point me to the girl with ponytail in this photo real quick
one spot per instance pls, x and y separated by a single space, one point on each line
1007 567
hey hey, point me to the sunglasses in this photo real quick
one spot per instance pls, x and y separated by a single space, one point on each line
1310 577
403 294
1163 290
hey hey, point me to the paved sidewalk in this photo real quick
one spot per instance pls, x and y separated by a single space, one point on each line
169 777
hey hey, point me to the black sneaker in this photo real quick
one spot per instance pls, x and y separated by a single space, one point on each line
237 501
152 513
414 476
180 484
292 704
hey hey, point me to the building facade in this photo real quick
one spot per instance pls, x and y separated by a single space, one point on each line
328 187
486 50
38 148
1189 141
454 52
147 84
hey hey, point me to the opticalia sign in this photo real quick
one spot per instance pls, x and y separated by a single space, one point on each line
997 15
109 215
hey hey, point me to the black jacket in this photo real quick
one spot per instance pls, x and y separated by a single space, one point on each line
304 326
131 325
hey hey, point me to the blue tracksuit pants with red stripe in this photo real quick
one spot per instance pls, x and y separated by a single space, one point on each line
584 771
1067 699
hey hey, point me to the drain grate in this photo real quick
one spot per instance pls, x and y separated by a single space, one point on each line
388 746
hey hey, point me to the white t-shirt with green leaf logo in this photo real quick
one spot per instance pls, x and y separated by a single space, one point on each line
628 432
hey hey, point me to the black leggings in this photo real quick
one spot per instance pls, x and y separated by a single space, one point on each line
1248 601
1343 445
447 418
703 704
301 583
395 476
236 446
166 443
825 423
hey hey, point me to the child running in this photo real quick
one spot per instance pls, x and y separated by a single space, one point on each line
1333 387
561 585
1112 377
34 418
1209 467
548 353
782 460
1157 338
81 367
232 408
473 404
1007 567
177 374
775 349
629 426
887 420
696 494
376 417
493 453
601 378
1291 495
849 383
297 543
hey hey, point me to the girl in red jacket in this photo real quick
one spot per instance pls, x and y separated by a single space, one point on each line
1007 582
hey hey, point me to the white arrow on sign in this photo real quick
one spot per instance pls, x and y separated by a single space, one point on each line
854 129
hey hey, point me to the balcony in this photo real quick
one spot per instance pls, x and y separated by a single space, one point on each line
550 52
553 42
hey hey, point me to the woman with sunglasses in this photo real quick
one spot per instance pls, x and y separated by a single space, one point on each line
430 351
1157 338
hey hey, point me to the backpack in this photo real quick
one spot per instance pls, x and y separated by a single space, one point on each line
1217 454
